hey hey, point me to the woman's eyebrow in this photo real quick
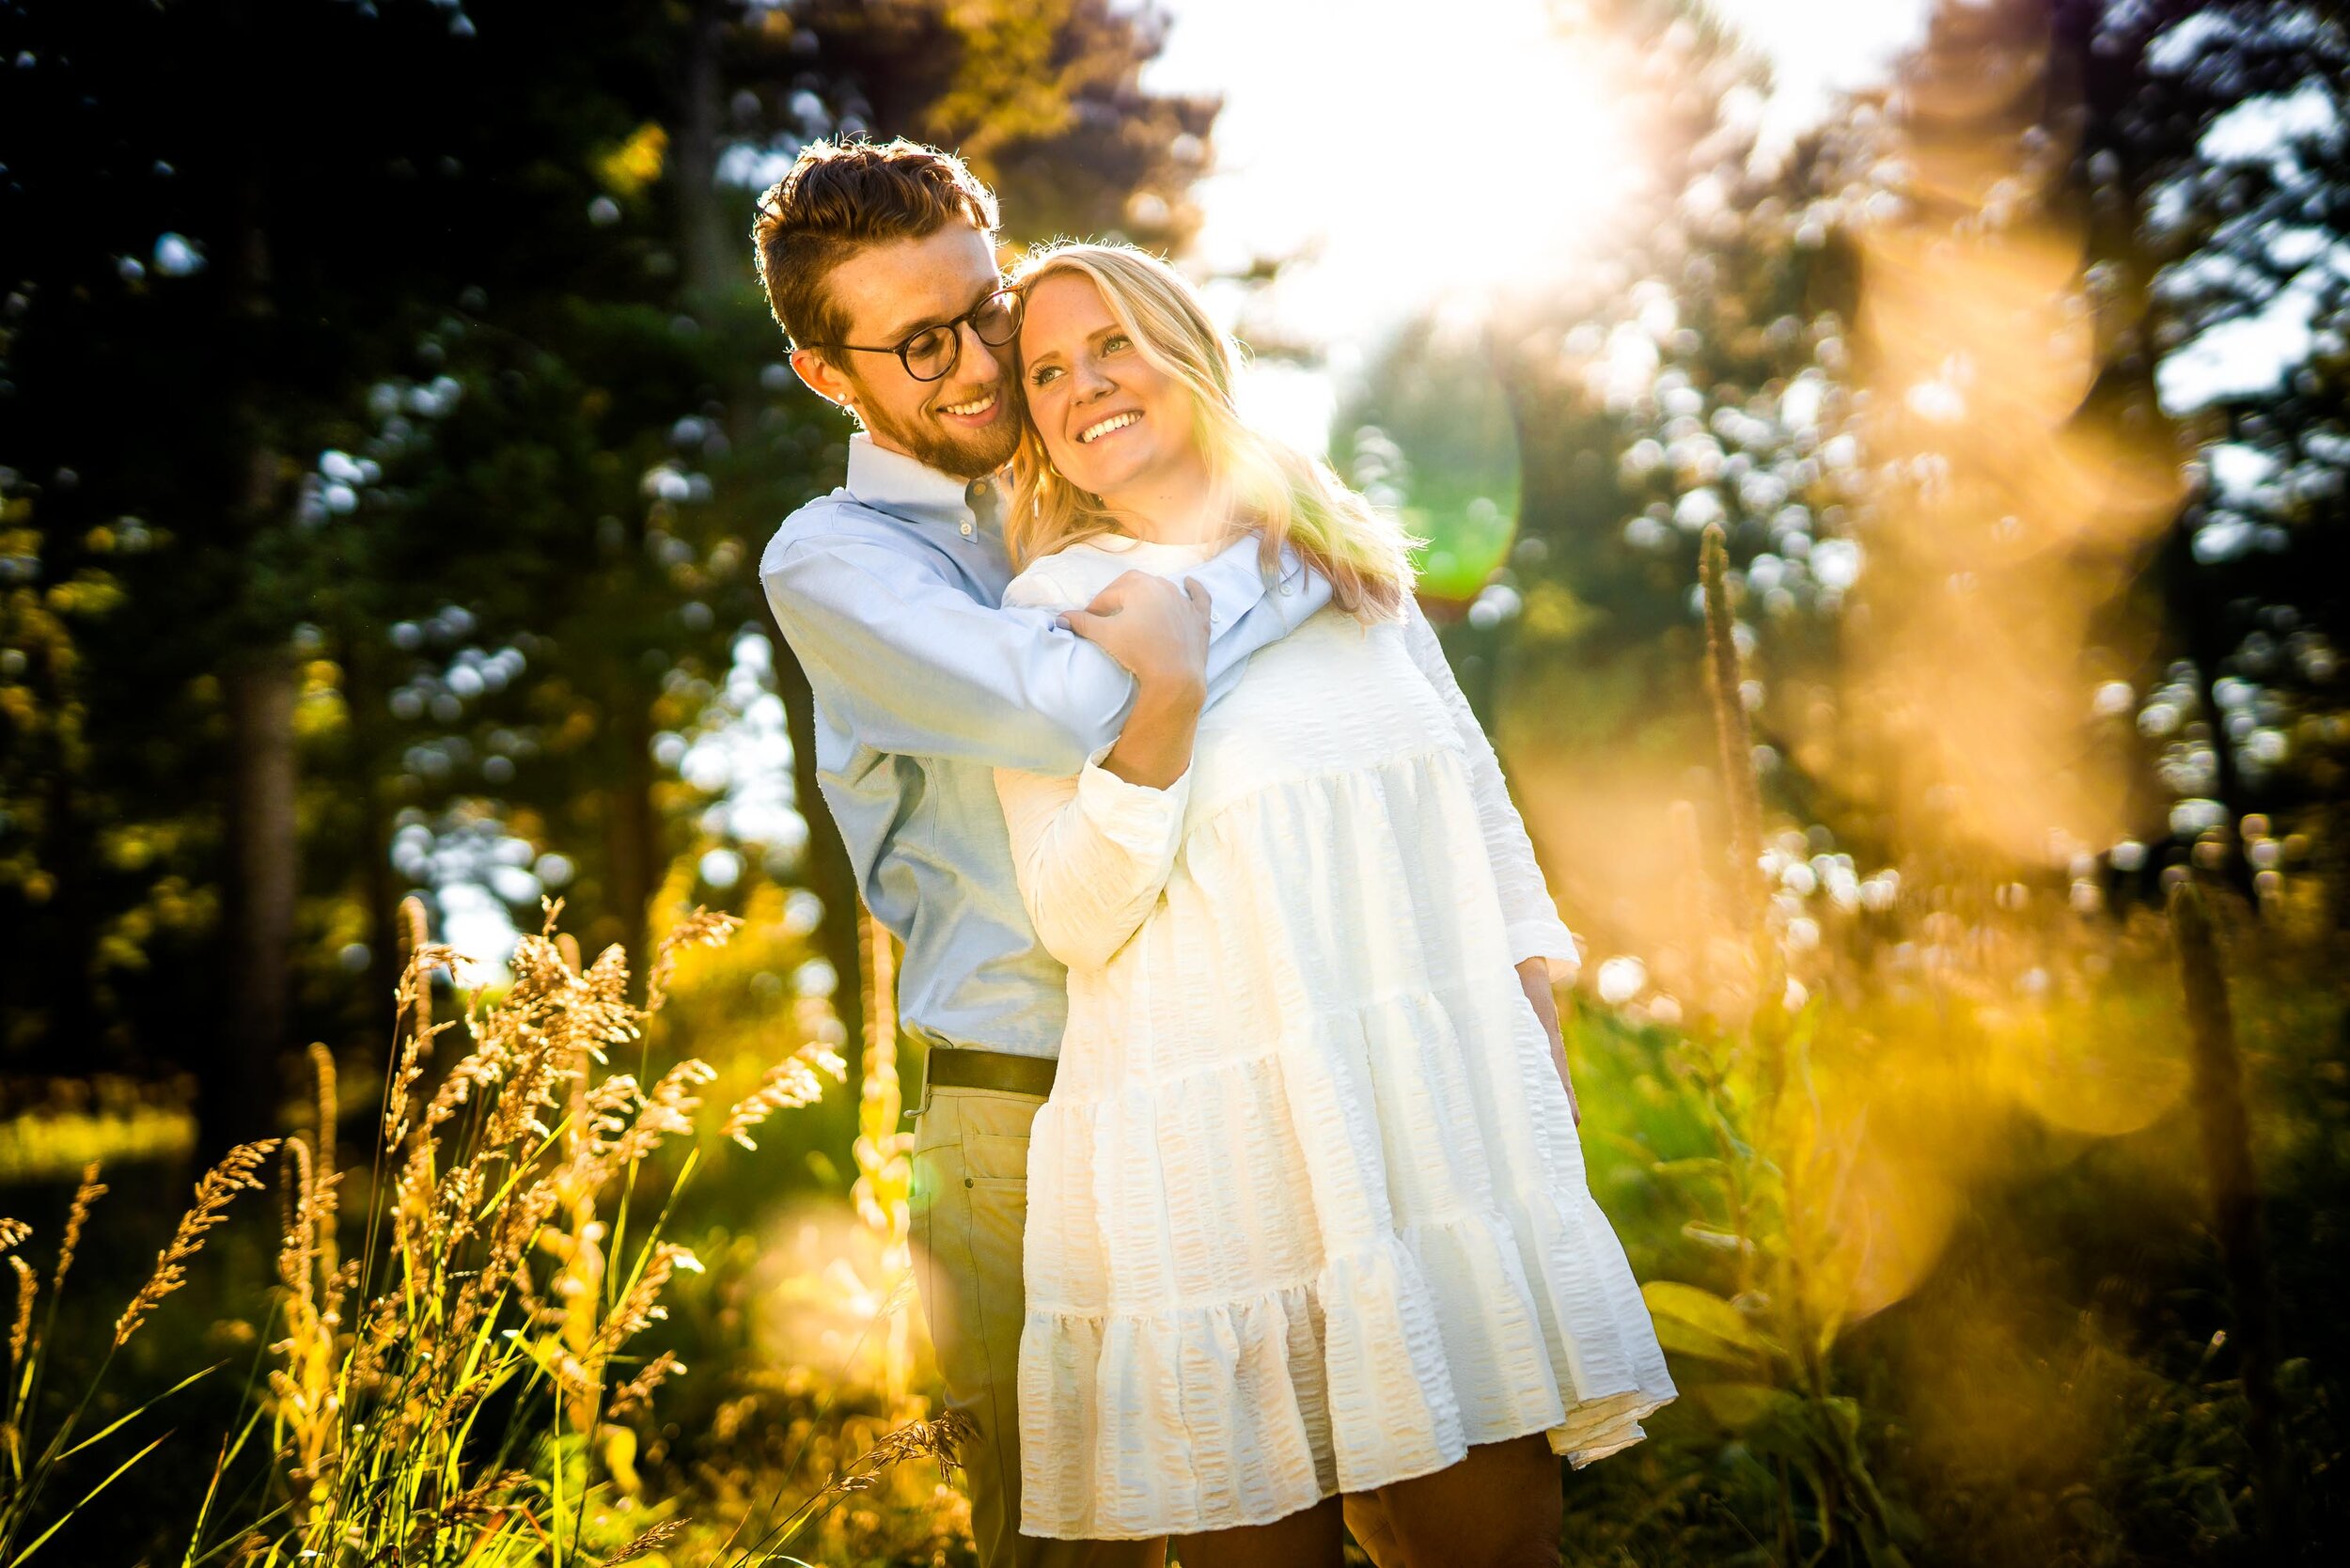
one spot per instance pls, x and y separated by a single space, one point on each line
1113 330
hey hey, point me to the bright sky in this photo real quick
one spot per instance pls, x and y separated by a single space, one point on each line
1337 141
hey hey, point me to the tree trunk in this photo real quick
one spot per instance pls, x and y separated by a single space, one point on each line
2198 607
258 685
241 1096
74 1026
632 827
704 242
370 765
2237 1217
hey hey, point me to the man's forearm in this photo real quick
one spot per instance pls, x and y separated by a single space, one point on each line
1154 748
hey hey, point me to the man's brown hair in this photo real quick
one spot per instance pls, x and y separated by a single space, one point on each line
840 198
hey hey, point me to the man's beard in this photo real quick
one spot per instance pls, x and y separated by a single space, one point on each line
966 455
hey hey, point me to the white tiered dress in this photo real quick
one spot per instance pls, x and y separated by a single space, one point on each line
1307 1209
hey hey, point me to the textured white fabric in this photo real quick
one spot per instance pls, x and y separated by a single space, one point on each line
1307 1209
1535 930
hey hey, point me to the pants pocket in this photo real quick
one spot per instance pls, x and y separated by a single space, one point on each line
995 1156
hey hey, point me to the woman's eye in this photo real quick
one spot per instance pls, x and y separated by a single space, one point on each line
1041 377
1114 342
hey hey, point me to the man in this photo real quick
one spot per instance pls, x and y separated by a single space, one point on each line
880 265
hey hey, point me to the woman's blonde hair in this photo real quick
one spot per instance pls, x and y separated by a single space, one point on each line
1285 496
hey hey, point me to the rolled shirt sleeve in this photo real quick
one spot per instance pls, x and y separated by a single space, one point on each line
916 665
913 664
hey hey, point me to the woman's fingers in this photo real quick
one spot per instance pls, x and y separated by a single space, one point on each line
1157 630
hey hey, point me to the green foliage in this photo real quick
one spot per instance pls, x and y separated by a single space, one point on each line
485 458
1430 437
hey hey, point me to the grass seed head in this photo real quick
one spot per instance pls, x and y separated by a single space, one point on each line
795 1081
84 1198
652 1539
21 1331
702 929
635 1395
220 1186
641 1306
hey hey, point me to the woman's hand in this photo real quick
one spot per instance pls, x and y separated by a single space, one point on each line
1534 975
1158 630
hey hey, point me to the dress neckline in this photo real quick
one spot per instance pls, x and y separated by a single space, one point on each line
1151 550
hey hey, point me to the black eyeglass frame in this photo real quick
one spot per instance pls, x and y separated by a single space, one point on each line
1015 306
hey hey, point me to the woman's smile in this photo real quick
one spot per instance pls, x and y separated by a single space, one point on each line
1108 427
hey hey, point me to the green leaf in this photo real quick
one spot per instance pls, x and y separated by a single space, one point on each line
1738 1405
1720 1240
140 1409
1697 1322
86 1499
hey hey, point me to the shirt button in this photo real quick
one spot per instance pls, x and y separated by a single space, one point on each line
966 530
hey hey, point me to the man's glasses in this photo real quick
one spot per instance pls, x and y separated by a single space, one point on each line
935 351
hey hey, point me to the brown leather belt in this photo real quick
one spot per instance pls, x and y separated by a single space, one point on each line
967 1067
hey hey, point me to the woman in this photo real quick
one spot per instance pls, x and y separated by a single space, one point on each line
1307 1213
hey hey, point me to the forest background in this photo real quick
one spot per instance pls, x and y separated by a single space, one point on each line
389 427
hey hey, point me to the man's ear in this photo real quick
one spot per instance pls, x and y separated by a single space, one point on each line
823 378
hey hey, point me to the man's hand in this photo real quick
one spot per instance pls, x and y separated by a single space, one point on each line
1534 977
1159 632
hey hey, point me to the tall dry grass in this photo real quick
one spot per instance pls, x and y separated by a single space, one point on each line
29 1463
467 1383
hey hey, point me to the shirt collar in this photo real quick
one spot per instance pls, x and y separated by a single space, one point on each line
894 482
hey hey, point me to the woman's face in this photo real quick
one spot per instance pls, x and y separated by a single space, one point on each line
1111 421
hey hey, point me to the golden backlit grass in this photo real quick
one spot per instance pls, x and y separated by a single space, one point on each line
467 1384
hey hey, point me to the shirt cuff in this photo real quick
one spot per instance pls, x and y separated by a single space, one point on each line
1134 817
1549 939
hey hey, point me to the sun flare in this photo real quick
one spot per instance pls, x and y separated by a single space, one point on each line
1394 178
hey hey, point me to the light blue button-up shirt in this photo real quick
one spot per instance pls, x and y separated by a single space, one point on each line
888 591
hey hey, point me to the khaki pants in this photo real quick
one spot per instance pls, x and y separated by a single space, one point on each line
970 1206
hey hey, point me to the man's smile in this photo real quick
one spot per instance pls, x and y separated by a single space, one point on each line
975 412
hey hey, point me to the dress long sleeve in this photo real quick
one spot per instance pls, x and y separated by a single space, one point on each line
1535 929
1091 852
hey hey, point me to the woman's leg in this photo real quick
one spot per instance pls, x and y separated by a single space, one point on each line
1500 1507
1310 1538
